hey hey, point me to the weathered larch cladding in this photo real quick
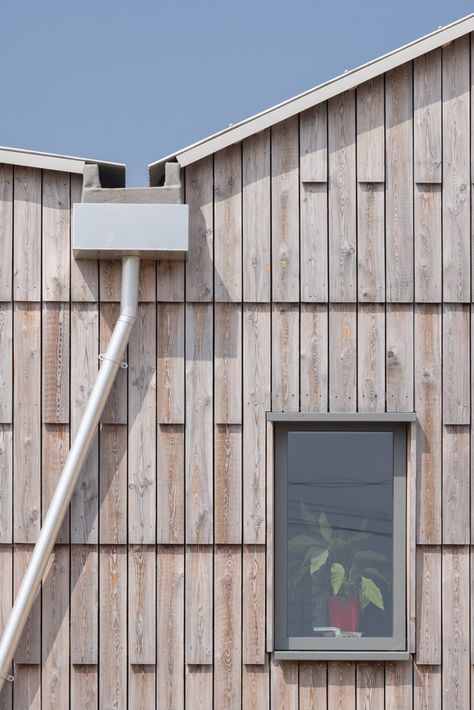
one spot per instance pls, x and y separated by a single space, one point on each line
329 270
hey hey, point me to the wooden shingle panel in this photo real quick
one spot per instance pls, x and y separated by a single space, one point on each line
399 686
370 680
84 604
84 272
284 684
427 117
313 685
199 197
456 485
228 626
255 687
456 668
341 685
113 441
55 630
6 483
228 224
199 600
342 358
228 483
170 363
314 357
55 363
170 617
6 232
371 131
84 687
113 626
427 687
27 234
253 591
29 648
371 358
56 235
142 604
115 410
314 144
54 451
285 358
428 256
456 364
6 370
428 612
314 241
371 242
228 363
399 367
170 487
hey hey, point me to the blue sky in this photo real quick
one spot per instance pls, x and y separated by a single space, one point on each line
133 81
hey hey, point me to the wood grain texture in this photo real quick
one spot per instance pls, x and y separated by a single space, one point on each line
29 648
285 222
198 443
342 197
312 685
147 282
27 234
227 626
55 363
199 197
256 394
142 428
255 687
371 242
199 584
284 685
456 364
6 484
342 358
55 631
314 357
84 604
314 241
371 131
256 218
170 363
427 117
28 687
170 617
54 451
141 686
199 687
371 358
227 363
27 428
6 358
113 484
399 685
170 280
56 235
113 627
84 688
314 144
228 484
6 601
84 287
456 171
428 409
428 256
427 687
85 336
6 232
428 605
170 505
253 605
399 184
399 362
142 605
115 410
228 224
341 686
285 358
456 662
110 273
456 485
370 680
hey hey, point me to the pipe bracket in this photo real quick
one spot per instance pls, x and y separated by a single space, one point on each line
8 677
121 364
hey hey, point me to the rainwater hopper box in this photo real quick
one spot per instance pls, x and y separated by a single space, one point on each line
112 230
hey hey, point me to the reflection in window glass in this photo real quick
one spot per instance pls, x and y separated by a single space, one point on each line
340 533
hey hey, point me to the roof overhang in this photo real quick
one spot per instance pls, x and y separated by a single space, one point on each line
323 92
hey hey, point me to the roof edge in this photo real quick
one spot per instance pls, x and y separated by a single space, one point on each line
311 97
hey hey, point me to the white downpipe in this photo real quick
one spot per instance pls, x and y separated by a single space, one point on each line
111 362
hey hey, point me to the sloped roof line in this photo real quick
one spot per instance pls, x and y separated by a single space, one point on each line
322 92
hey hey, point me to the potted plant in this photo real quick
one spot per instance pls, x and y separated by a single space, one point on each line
343 570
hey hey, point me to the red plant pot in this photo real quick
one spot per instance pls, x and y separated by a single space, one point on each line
344 612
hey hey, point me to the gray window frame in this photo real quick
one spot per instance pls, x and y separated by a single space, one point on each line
395 647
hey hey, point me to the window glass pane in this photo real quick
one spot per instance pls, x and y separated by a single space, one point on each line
340 534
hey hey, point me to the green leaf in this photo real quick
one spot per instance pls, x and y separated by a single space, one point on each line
337 577
370 593
318 561
324 527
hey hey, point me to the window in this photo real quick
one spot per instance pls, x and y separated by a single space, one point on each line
340 536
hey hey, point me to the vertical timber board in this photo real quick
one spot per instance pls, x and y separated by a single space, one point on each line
115 410
142 604
113 441
284 685
142 428
427 687
6 601
6 370
399 686
342 197
55 363
55 631
456 171
147 282
371 358
54 451
313 685
199 687
6 483
110 273
56 235
170 280
84 688
256 393
228 484
253 603
113 627
370 681
399 184
428 257
228 224
285 358
170 617
199 583
6 232
199 431
314 357
370 131
27 414
428 598
427 117
456 364
255 687
228 627
84 342
141 687
84 272
285 219
170 506
228 363
428 409
341 686
27 234
256 218
84 604
456 485
170 363
342 358
27 687
29 647
199 196
314 144
456 661
371 242
399 358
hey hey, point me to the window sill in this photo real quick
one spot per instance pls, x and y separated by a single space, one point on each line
342 655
